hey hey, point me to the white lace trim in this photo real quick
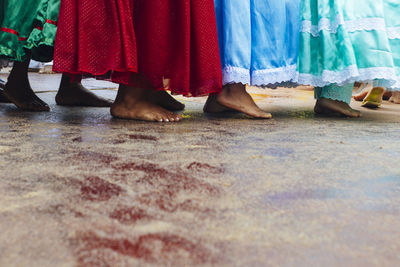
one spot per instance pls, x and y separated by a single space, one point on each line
290 74
393 32
235 75
259 77
274 76
396 86
364 24
349 75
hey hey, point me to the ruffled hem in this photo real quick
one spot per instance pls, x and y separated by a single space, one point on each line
12 55
396 86
325 24
39 42
275 76
338 97
334 92
364 24
263 78
232 75
16 52
393 33
350 75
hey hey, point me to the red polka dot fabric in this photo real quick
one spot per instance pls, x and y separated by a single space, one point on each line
172 42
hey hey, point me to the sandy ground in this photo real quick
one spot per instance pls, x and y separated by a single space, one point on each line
79 188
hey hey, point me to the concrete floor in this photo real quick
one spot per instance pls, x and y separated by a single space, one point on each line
79 188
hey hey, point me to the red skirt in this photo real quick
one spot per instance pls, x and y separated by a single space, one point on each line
173 43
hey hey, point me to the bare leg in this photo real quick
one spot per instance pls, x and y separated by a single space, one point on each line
74 94
235 96
364 88
18 89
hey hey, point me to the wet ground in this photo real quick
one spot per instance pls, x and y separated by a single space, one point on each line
79 188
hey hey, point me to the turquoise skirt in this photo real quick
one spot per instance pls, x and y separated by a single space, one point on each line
344 41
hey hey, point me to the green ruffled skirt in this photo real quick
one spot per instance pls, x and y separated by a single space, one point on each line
28 27
343 41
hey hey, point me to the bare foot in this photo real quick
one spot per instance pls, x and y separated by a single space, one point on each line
395 97
328 106
212 105
24 98
374 98
165 100
158 97
137 104
235 96
74 94
362 92
18 89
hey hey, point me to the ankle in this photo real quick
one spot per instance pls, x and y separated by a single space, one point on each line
130 95
17 84
237 87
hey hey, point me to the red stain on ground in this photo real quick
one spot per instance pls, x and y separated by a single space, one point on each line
63 210
142 137
166 201
148 168
161 190
120 177
94 157
155 248
163 200
118 141
172 180
96 189
204 167
190 206
77 139
129 215
169 185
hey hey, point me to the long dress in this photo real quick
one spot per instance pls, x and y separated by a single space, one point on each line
392 11
172 42
258 40
28 27
344 41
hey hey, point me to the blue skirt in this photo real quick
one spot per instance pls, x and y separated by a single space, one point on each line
258 40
